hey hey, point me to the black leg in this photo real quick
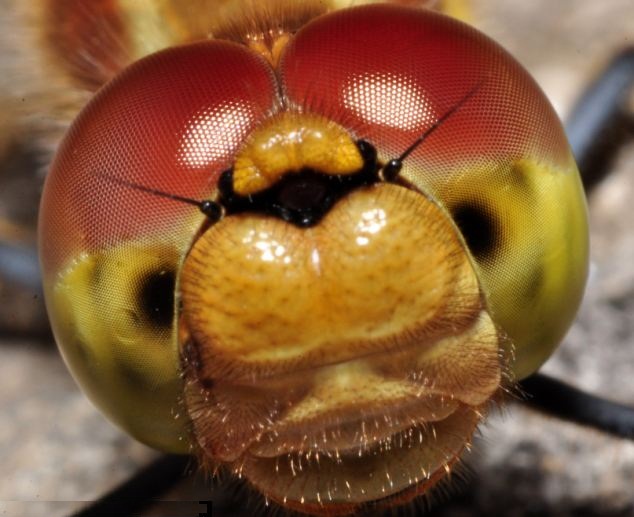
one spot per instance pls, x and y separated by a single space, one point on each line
22 310
600 122
140 490
20 266
568 403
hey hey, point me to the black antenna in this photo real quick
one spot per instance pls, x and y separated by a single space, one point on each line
211 209
392 168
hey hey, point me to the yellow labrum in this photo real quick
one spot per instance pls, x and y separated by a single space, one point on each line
290 142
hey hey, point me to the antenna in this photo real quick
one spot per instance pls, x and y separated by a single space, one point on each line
392 168
211 209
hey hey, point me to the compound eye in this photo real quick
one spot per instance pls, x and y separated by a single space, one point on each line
110 254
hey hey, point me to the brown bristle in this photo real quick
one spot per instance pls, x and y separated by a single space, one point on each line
90 39
261 21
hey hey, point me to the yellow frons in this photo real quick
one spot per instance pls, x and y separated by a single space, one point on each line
290 142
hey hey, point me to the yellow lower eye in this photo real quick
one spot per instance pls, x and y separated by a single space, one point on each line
526 228
106 305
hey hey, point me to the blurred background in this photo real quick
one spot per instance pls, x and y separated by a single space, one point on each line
56 450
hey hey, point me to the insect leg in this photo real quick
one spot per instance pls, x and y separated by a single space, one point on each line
600 122
559 399
141 489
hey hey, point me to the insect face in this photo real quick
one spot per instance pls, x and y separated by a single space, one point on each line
397 230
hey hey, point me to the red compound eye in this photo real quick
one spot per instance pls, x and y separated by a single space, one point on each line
390 73
172 122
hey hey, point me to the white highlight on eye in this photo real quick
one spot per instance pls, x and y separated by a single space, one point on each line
213 133
390 100
372 221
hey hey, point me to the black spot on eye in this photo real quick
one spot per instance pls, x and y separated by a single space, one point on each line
156 297
134 377
479 228
534 283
